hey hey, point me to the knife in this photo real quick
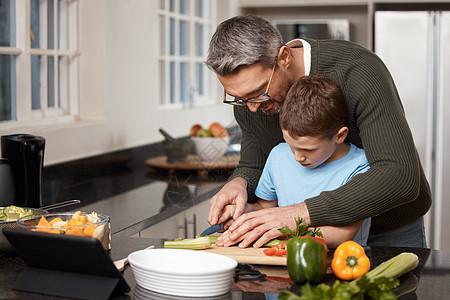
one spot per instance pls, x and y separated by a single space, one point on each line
213 229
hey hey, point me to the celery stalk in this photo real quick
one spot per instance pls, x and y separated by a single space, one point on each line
213 238
396 266
273 243
199 243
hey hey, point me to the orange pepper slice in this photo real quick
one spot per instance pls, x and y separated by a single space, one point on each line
43 222
55 220
89 231
74 222
83 219
278 250
75 231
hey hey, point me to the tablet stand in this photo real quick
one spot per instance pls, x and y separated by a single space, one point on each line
65 284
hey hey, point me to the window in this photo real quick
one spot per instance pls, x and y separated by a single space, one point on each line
185 29
38 60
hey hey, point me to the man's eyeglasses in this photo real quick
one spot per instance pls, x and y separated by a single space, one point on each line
258 99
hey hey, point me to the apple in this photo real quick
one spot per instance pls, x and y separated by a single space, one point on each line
204 133
194 129
217 130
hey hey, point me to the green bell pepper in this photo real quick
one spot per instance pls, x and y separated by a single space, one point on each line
306 260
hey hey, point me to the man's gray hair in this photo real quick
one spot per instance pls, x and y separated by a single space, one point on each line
243 41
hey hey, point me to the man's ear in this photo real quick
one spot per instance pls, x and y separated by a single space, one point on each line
284 56
341 135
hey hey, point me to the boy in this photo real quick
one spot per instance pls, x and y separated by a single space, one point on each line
315 157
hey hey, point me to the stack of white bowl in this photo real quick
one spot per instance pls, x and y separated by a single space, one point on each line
187 273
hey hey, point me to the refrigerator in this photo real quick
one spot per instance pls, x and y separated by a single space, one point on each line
415 46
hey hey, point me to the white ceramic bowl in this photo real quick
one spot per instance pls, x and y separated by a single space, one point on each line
210 148
194 273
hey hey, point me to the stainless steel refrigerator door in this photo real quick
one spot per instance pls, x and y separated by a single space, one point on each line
442 205
415 46
402 42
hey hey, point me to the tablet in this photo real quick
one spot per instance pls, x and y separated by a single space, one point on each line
65 265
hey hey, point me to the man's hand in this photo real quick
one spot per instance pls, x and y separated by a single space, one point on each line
233 192
262 225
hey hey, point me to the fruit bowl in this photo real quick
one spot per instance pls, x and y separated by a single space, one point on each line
78 223
210 149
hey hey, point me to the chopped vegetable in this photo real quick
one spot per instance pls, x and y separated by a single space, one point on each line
306 260
350 261
269 251
12 213
278 250
269 244
56 220
74 226
273 242
199 243
212 238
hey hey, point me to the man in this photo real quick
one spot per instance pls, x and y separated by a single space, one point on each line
315 157
256 70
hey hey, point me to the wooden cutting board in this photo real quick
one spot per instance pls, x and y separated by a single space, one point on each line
249 255
194 162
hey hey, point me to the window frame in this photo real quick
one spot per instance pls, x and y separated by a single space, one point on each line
165 58
24 114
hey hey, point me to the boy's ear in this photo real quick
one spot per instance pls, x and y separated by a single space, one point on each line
342 134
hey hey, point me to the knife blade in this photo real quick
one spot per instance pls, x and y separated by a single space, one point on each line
212 229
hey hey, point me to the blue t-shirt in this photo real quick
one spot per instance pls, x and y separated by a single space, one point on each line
285 179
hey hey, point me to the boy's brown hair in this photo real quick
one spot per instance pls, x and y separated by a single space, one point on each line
314 106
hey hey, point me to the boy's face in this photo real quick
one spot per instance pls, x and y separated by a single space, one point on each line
310 151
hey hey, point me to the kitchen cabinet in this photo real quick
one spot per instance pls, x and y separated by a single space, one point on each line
260 3
186 224
358 12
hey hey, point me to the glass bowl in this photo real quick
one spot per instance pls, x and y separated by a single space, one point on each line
78 223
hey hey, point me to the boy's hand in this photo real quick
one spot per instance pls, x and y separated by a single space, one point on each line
228 211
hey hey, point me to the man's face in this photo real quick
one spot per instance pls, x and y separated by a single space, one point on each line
310 151
252 81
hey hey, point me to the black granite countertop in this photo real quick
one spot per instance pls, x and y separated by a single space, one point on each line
429 280
142 207
121 186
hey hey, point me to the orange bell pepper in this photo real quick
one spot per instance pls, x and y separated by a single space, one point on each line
350 261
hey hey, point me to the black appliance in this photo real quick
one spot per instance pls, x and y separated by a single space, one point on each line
7 186
25 154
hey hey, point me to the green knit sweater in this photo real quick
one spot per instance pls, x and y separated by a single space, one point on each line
394 191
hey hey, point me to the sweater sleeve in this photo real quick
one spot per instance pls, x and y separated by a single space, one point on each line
377 123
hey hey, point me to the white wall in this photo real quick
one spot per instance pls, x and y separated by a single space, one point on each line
119 86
